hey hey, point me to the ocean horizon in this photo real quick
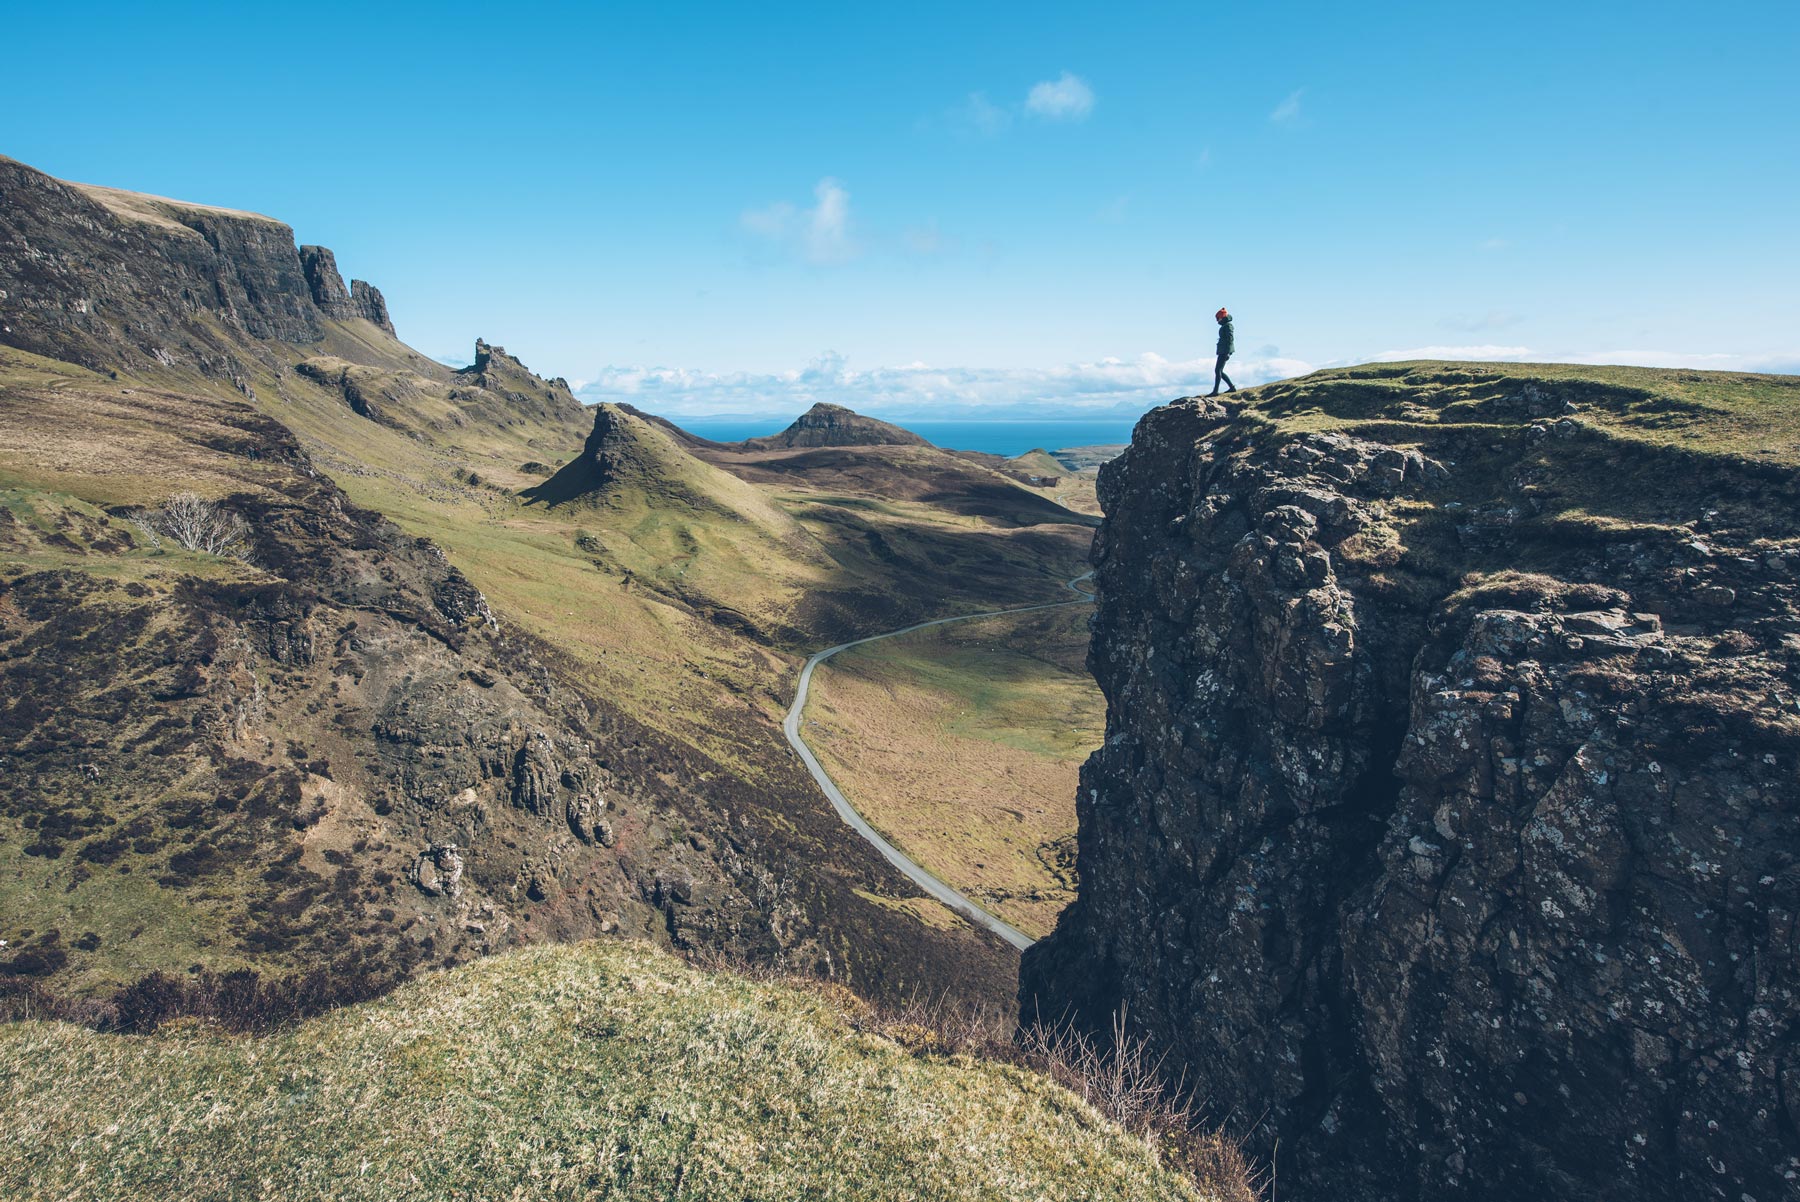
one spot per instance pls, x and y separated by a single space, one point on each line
1008 438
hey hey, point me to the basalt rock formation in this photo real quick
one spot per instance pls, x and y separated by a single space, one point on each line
1445 829
362 299
111 279
826 425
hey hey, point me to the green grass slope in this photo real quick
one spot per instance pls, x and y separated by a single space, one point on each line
1038 462
575 1072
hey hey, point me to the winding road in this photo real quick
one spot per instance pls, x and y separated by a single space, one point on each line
791 726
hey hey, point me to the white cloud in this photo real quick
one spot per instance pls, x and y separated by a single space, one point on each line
921 391
979 115
821 234
1106 387
1698 361
776 221
828 224
1288 111
1492 244
1066 98
1702 362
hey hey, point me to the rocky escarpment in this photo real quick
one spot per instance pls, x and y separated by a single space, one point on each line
110 279
362 299
1445 825
501 390
309 751
826 425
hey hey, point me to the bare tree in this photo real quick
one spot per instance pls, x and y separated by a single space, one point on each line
197 524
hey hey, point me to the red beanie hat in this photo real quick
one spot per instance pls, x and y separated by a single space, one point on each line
1221 315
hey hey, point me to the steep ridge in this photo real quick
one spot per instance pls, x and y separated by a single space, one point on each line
112 279
1444 828
629 462
827 425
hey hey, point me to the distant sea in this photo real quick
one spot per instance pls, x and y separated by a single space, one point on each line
997 438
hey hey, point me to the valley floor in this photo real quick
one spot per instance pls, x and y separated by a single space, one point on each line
962 744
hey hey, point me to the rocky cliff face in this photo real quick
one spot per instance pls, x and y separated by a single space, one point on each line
835 426
361 299
107 278
1445 825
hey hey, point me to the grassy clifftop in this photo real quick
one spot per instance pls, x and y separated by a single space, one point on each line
584 1071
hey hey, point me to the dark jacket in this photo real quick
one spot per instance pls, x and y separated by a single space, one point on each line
1227 341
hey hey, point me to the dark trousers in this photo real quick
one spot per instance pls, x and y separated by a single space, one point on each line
1219 374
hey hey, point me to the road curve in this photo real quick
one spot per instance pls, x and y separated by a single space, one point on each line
919 875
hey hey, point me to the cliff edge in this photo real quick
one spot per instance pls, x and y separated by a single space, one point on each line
1444 828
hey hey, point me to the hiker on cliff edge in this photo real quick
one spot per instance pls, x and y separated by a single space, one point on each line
1227 344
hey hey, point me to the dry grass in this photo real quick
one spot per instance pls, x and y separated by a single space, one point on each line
963 744
575 1072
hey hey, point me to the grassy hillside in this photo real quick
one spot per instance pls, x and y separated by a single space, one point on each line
1589 454
584 1071
1742 414
962 744
669 632
1038 462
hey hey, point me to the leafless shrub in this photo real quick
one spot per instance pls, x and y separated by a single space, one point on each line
939 1025
197 524
1116 1075
1120 1076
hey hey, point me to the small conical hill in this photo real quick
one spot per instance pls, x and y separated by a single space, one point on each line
827 425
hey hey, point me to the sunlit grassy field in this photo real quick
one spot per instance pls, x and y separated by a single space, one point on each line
583 1071
962 744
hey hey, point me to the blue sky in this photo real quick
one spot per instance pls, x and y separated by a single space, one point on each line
918 208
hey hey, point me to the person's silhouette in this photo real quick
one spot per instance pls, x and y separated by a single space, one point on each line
1227 344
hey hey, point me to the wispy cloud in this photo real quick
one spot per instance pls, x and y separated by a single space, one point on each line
925 239
1484 351
821 234
1111 386
980 116
922 391
1066 98
1113 211
1493 319
1288 111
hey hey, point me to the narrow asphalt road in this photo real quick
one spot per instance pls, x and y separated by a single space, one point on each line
920 876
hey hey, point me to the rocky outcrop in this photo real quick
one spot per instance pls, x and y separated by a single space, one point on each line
367 303
106 278
500 389
328 291
826 425
1445 819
